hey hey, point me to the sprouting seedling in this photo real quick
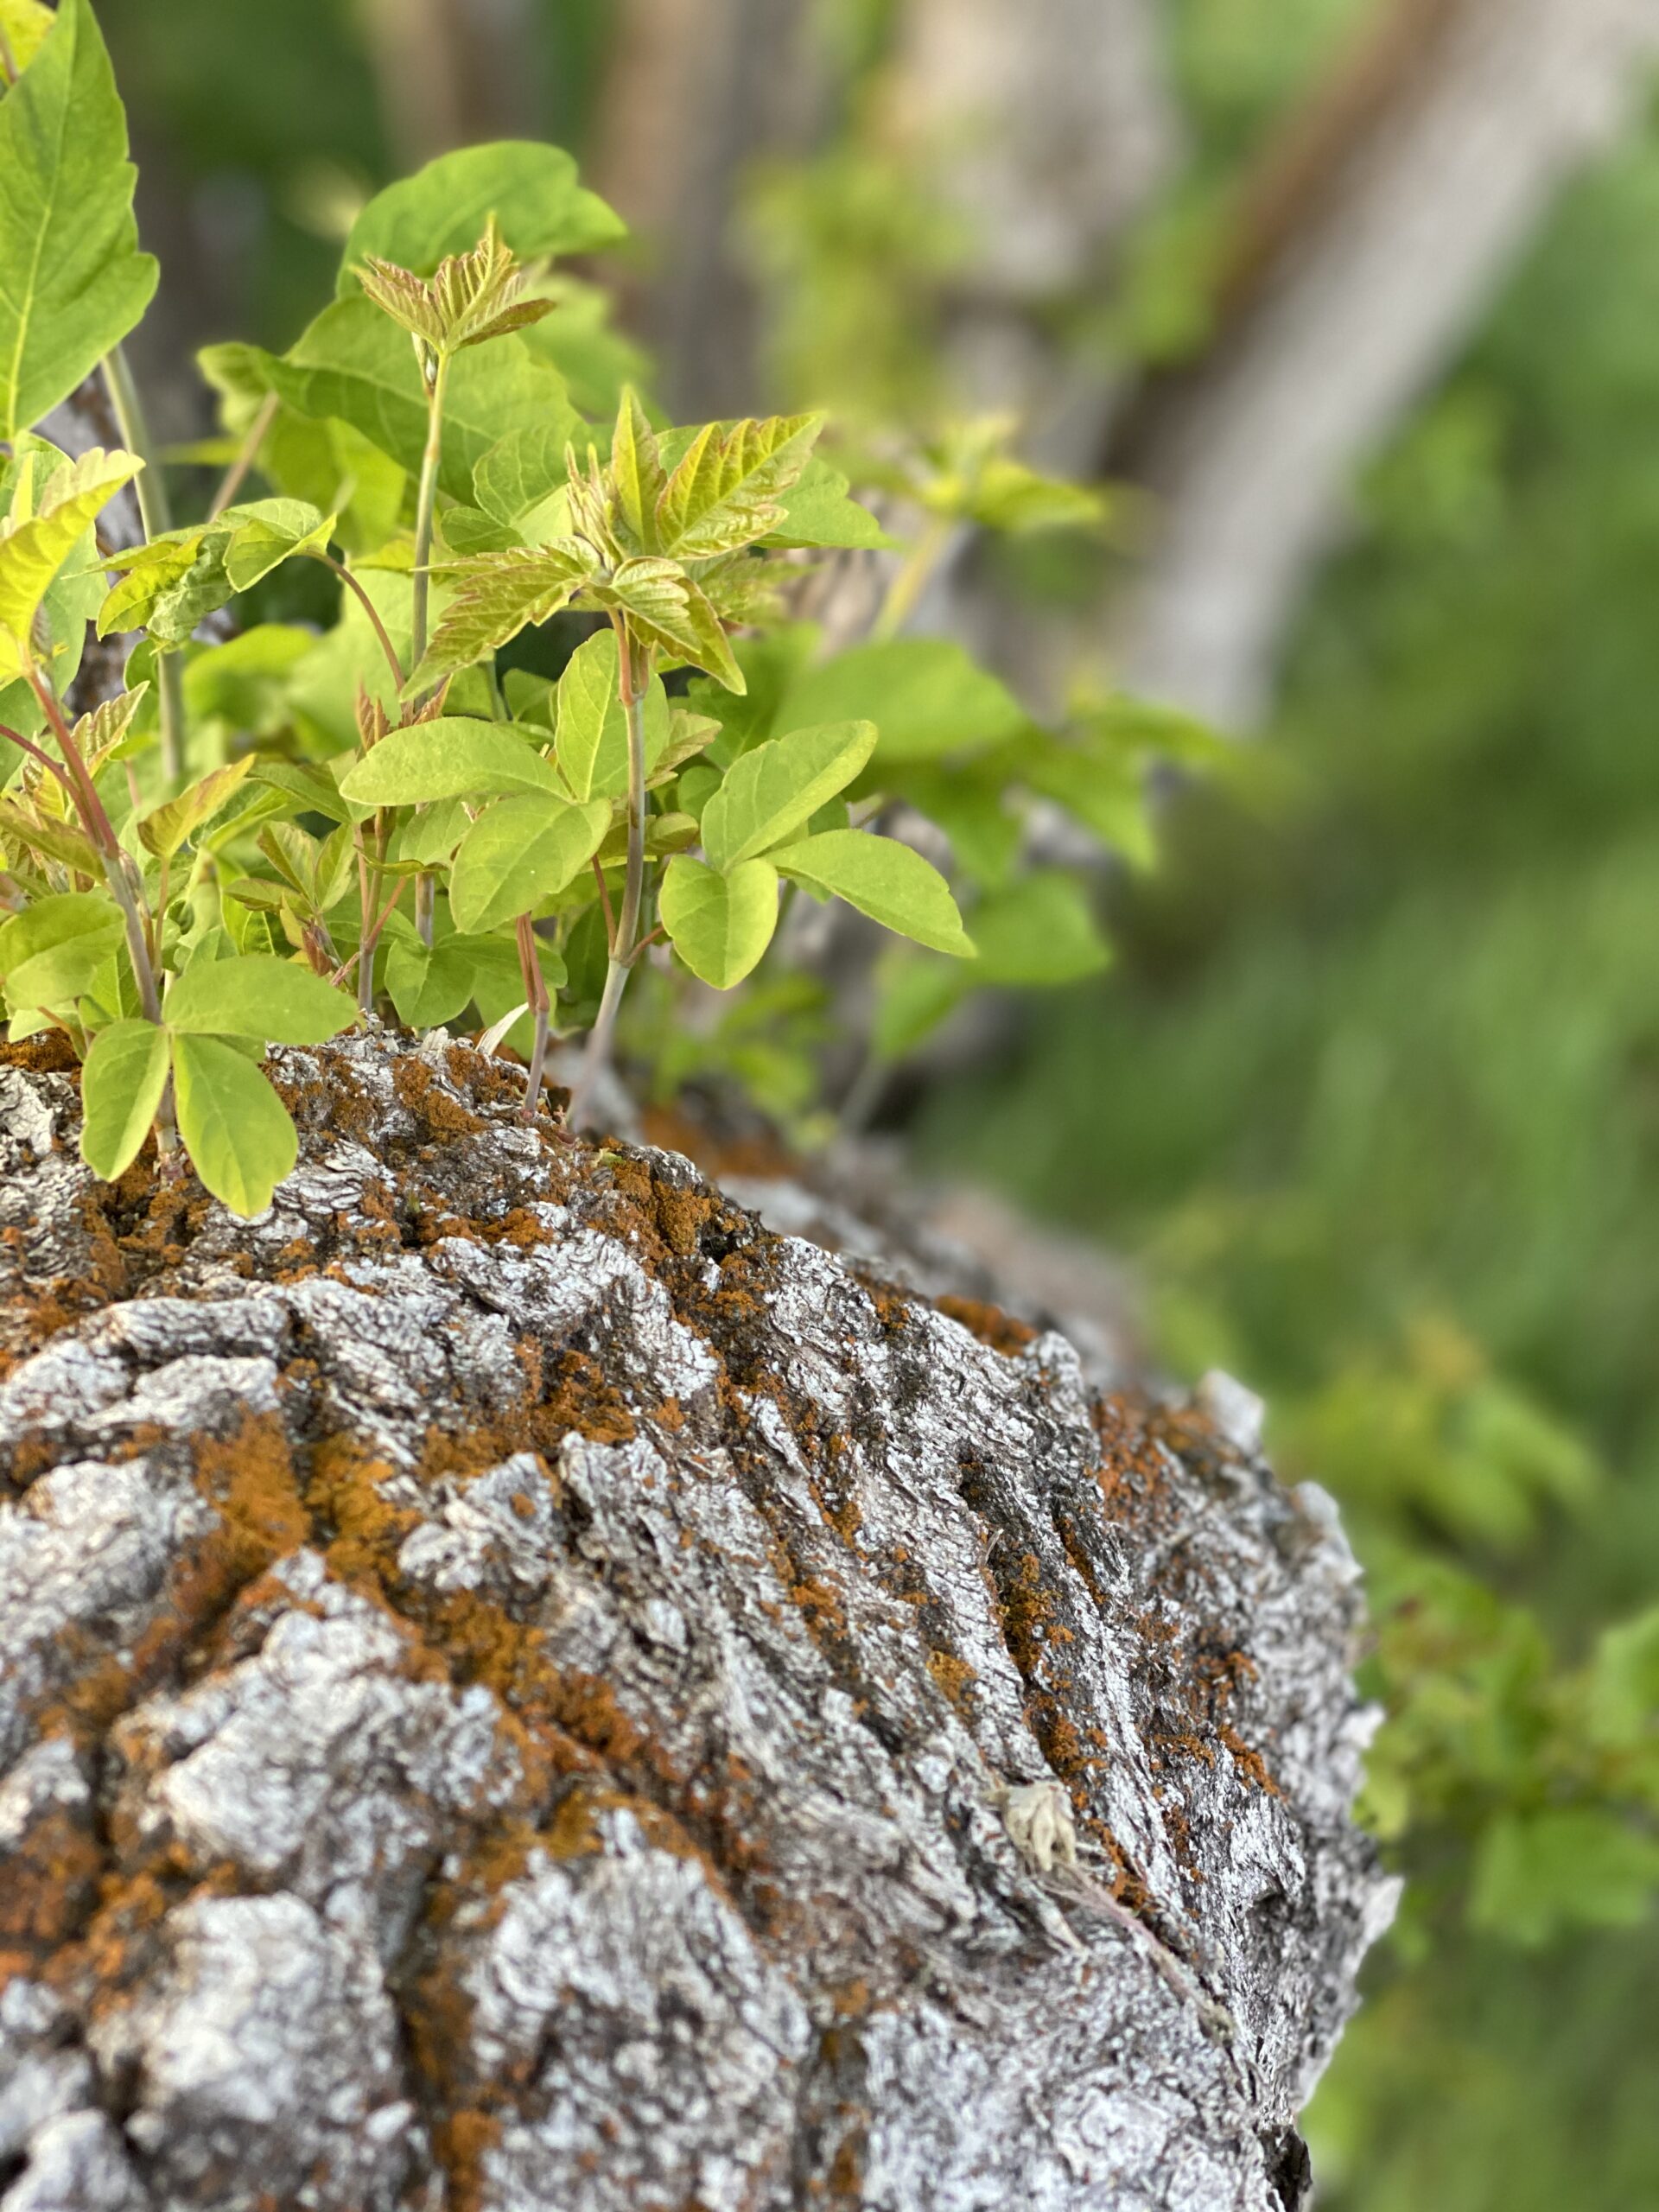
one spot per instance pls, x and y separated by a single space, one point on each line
651 800
469 299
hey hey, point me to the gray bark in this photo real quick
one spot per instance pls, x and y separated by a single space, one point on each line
1404 226
1049 129
523 1689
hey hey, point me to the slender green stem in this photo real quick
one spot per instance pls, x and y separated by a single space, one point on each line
100 831
426 509
425 515
365 918
236 474
536 996
354 584
633 680
156 515
914 574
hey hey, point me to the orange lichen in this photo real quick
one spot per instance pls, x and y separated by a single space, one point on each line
1001 1330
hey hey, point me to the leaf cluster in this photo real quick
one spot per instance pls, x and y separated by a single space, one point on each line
393 816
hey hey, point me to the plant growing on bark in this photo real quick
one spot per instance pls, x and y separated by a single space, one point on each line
420 811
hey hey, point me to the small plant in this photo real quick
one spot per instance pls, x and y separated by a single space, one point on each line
567 720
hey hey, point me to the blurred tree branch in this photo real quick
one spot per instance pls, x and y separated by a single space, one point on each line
451 71
1365 245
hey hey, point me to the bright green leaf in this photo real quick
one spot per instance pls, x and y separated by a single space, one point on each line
497 596
268 532
355 363
165 828
428 984
531 189
924 695
236 1129
666 609
522 475
820 510
121 1087
591 752
726 490
453 757
259 996
883 879
775 789
720 925
55 920
35 542
520 853
73 282
25 24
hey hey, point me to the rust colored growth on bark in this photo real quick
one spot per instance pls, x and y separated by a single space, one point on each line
690 1535
438 1115
52 1877
1001 1330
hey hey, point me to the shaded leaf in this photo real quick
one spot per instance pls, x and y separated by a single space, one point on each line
428 984
924 695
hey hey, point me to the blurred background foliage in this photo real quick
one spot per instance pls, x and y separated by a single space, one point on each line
1371 1099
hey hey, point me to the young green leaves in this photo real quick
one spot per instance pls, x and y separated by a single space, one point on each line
470 297
39 534
720 912
656 539
236 1129
73 282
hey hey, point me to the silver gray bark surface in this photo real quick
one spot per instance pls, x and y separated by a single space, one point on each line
523 1689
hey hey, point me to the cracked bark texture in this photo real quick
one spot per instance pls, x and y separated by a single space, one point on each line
510 1673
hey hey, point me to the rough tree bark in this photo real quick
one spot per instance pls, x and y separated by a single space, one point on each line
1367 246
1050 127
523 1689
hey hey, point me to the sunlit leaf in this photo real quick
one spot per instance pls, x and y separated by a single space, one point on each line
259 996
120 1086
531 189
453 757
499 595
236 1129
883 879
775 789
726 490
35 542
720 925
520 853
73 282
165 828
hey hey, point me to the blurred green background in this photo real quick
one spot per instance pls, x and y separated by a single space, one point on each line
1371 1099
